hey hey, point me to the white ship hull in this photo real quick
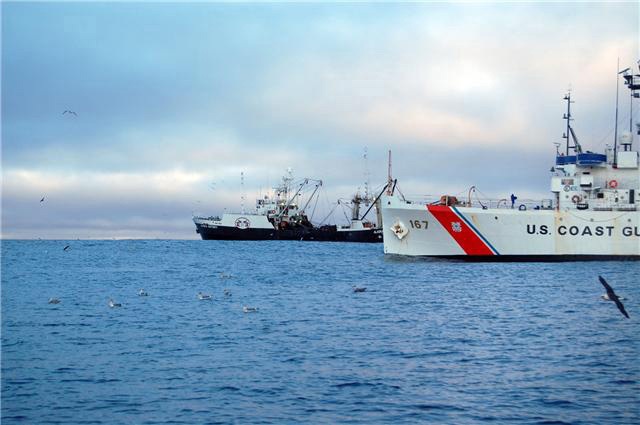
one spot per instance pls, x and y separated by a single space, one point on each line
508 234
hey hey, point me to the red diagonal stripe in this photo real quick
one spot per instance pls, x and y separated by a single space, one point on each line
465 237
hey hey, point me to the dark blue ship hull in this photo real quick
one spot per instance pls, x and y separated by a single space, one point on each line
319 234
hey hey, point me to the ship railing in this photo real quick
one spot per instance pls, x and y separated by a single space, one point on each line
611 206
486 203
210 218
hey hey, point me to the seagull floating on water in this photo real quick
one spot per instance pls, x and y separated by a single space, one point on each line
143 293
611 296
356 289
203 297
248 309
113 304
226 276
54 300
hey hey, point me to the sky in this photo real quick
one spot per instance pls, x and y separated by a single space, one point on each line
174 101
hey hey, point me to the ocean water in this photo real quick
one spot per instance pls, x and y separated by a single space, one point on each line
440 342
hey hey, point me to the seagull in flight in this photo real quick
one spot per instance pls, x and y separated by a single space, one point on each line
66 248
611 296
70 112
42 200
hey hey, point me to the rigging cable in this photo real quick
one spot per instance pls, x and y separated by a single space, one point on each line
330 212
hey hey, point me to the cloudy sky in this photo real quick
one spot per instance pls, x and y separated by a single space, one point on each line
174 101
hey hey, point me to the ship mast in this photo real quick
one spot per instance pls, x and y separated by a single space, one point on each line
366 177
633 83
615 132
567 117
242 196
570 133
389 178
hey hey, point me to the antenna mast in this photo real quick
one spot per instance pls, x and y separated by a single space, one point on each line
366 177
242 197
615 132
567 117
389 178
633 83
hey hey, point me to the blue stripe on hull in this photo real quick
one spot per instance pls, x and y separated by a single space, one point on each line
495 251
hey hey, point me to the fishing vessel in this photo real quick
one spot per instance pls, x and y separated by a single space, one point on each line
280 217
591 215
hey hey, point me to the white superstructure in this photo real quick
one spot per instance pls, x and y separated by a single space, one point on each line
594 213
272 213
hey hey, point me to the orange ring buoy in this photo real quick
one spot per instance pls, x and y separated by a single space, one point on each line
613 184
576 198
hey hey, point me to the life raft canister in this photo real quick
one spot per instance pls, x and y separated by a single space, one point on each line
613 184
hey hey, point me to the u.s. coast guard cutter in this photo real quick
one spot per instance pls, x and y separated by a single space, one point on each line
593 214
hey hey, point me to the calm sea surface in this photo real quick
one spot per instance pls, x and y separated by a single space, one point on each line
428 341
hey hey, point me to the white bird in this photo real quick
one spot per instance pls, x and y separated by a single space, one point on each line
226 275
143 293
113 304
203 297
54 300
248 309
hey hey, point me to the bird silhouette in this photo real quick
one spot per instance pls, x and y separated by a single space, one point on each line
611 296
66 248
69 112
42 200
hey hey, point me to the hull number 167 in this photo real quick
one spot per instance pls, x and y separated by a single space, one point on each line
419 224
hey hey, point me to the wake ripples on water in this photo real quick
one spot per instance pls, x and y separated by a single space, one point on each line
428 341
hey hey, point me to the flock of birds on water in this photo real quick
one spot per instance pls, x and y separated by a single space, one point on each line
201 295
